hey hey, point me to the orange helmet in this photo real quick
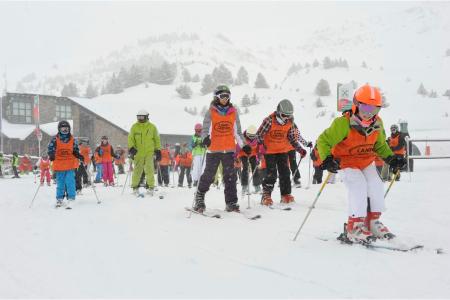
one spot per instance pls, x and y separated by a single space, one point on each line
368 95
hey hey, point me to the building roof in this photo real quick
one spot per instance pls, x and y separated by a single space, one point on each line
22 131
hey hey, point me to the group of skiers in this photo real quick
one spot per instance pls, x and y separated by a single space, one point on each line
351 145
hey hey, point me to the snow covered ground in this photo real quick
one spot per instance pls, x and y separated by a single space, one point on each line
129 247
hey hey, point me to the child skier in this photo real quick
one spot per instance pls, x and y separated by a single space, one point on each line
106 152
221 130
44 166
397 143
163 172
184 161
63 151
246 159
351 144
276 133
98 164
318 172
198 151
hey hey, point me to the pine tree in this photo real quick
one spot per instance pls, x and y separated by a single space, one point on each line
323 88
260 82
186 75
364 65
319 102
196 78
433 94
135 76
114 86
70 90
184 91
255 99
315 63
245 101
91 91
222 75
327 64
123 78
167 73
241 77
208 84
447 93
422 91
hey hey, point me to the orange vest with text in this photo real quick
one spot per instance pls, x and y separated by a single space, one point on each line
393 142
276 139
356 151
222 131
85 151
64 158
106 156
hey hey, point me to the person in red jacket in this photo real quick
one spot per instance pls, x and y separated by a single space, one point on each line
44 166
277 133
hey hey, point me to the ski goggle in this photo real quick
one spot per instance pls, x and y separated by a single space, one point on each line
141 117
367 110
223 96
285 116
64 129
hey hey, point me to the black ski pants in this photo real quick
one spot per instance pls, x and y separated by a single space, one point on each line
184 170
229 175
245 172
16 175
293 164
80 173
277 162
163 175
318 174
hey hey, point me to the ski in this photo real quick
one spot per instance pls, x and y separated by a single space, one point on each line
204 213
374 246
247 215
280 207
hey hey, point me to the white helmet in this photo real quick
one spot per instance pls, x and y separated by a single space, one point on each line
142 112
251 130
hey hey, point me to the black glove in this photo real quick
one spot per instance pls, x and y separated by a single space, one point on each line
158 155
309 145
301 151
396 162
247 149
206 141
35 168
132 152
51 156
330 164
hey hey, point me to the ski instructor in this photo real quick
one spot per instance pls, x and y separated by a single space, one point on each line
143 143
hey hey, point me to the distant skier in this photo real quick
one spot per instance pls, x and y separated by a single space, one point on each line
250 159
106 152
15 164
166 160
351 144
120 160
98 164
83 169
221 131
318 172
198 150
44 165
277 133
184 161
1 164
397 143
143 143
63 151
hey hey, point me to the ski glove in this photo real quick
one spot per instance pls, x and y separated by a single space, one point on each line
309 145
206 141
247 149
158 155
396 162
51 156
132 152
301 151
330 164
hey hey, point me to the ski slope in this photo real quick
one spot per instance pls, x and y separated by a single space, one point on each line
128 247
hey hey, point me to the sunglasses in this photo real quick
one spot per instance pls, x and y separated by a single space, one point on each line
368 110
223 96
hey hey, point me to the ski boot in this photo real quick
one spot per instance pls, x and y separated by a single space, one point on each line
266 199
257 189
59 203
286 199
376 227
297 183
357 232
232 207
199 205
244 190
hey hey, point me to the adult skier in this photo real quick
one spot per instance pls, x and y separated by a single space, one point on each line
143 143
198 150
221 131
277 133
15 164
351 144
63 151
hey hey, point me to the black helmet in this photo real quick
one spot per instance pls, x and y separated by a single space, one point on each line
394 128
104 137
63 123
285 107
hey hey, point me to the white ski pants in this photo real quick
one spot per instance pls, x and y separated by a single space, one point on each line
363 184
197 168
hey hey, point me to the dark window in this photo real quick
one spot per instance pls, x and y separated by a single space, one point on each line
63 111
21 112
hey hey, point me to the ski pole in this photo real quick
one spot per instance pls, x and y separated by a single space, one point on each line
313 204
309 170
125 184
95 193
198 184
392 182
35 194
250 182
298 165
